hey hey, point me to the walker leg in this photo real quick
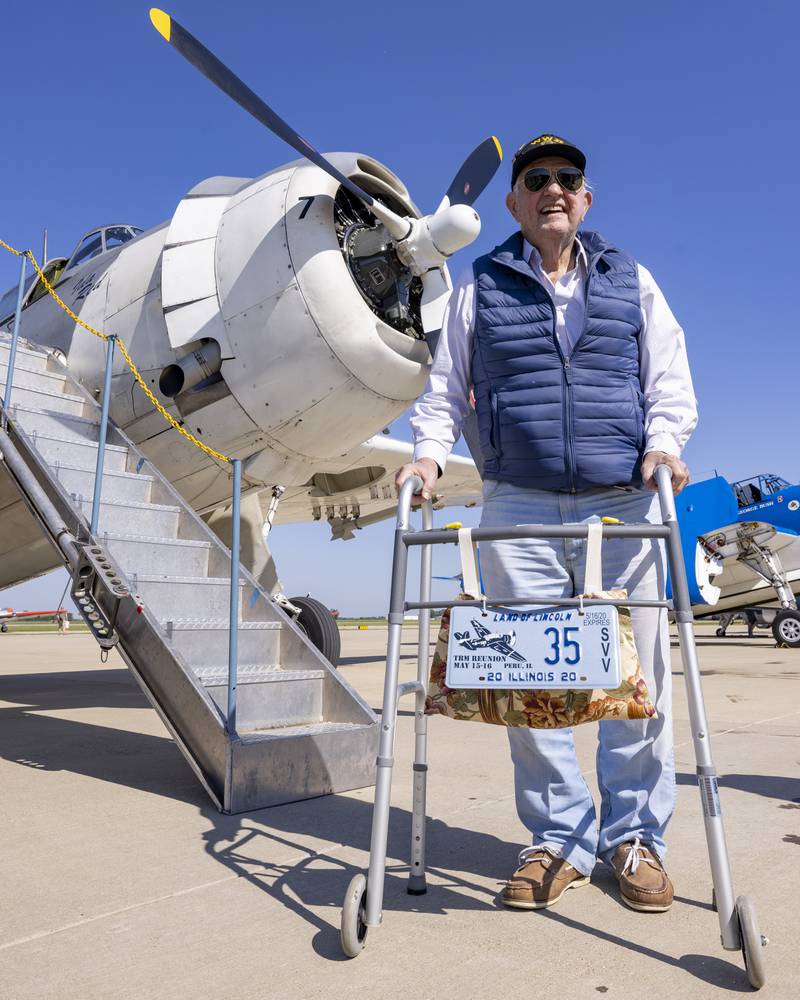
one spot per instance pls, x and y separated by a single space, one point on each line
706 772
383 785
383 790
417 885
724 898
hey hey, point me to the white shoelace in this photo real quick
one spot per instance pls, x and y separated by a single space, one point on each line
534 853
636 854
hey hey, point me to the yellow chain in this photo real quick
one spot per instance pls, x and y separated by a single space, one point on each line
124 350
17 253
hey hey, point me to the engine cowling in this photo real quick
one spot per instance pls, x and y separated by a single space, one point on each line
313 362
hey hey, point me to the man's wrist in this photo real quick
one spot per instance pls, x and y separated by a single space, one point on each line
432 451
664 443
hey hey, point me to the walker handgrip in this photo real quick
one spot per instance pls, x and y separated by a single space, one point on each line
663 477
410 487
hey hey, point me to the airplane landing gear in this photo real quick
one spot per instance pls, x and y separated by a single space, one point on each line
320 626
786 628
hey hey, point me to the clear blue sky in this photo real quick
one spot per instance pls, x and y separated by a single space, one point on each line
687 112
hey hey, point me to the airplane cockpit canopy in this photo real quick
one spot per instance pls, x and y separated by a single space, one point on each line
92 244
755 489
100 240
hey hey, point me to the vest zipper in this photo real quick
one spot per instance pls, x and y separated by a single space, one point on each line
566 370
568 406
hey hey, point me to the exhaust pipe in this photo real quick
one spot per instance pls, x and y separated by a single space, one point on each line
192 369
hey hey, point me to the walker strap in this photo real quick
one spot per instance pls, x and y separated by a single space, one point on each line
469 565
593 581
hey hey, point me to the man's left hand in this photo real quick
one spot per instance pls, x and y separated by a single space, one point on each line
680 471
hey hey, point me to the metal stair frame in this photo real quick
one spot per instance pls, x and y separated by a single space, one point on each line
240 771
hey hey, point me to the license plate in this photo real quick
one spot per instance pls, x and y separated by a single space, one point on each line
543 648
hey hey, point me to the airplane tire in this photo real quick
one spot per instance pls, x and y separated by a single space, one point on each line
320 626
786 629
4 627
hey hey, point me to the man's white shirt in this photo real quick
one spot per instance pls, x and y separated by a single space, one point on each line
670 408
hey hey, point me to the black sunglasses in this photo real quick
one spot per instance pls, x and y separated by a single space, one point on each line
570 178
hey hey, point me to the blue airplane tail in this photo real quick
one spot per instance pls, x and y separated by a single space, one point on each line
701 508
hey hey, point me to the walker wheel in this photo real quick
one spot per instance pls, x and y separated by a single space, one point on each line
753 942
353 932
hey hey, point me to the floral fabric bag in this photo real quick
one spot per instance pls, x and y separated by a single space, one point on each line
543 708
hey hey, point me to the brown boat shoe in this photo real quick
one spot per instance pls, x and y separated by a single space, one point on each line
643 883
541 880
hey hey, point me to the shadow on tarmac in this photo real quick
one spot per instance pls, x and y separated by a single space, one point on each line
48 692
249 844
318 880
772 786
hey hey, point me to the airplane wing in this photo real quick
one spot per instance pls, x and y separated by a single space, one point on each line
729 542
503 647
746 551
480 629
358 489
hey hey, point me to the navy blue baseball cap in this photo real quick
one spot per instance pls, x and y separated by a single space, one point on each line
543 145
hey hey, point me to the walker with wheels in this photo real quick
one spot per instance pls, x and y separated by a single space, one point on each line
364 899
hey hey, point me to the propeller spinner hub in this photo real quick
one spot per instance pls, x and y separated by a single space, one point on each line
436 237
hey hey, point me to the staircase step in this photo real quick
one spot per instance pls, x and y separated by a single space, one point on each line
149 519
185 596
204 641
142 554
32 358
267 696
80 454
304 729
47 400
35 420
120 486
30 377
252 673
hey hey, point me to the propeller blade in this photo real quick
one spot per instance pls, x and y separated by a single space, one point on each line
436 289
218 73
475 173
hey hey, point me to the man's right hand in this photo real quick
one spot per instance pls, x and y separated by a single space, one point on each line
428 472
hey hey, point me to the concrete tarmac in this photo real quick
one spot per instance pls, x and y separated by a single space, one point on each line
120 880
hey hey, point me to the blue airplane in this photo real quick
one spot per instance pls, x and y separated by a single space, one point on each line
742 550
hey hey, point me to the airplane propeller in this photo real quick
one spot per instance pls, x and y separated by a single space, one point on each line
422 244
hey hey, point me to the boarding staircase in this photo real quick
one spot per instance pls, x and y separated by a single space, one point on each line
155 582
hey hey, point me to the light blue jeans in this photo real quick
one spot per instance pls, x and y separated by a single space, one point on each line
635 762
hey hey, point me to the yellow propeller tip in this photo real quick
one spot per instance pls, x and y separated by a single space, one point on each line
161 22
499 147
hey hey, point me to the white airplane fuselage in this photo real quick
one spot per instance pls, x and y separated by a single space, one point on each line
308 372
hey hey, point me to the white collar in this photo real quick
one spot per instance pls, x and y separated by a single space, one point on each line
534 258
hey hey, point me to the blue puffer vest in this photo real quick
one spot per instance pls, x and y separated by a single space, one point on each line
546 421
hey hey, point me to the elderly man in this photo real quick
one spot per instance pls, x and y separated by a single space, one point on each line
582 387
